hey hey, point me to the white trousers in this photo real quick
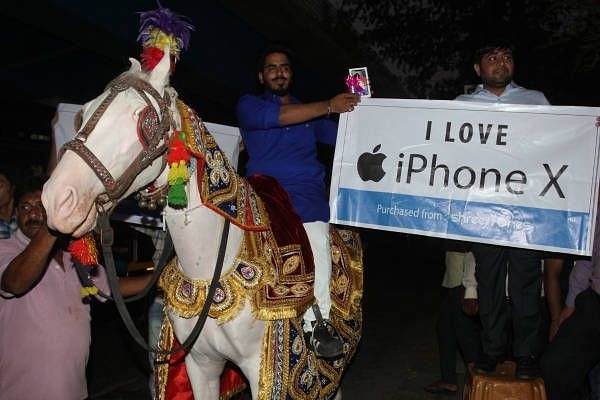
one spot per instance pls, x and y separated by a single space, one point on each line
318 236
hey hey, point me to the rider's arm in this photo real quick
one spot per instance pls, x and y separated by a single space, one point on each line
297 113
256 113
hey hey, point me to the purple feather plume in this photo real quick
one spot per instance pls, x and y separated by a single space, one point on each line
167 21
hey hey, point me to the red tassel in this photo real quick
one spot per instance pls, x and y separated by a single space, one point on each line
177 149
151 56
84 250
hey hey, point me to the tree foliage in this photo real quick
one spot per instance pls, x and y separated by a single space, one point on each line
428 44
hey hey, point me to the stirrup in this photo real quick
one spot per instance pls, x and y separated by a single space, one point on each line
325 340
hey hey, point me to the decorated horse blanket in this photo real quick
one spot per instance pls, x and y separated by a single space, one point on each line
273 271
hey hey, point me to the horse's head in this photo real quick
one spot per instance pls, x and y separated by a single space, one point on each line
117 149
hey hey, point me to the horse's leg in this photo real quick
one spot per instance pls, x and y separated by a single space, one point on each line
204 375
245 337
251 369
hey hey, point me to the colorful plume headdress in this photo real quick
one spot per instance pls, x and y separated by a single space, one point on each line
159 28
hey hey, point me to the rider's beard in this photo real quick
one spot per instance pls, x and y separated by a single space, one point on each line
280 90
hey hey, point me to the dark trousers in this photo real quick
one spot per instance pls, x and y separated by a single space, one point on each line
524 290
574 351
456 332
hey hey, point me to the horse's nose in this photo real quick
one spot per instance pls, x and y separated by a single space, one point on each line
59 203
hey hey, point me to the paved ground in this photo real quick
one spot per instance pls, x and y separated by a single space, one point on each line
402 278
402 289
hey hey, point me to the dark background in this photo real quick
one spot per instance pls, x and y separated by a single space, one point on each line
67 50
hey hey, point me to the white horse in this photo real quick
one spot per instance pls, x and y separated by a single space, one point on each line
255 318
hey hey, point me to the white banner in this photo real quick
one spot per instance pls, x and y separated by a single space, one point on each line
516 175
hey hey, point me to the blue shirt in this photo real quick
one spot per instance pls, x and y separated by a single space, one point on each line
8 229
513 94
287 153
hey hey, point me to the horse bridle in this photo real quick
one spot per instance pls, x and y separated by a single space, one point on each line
152 132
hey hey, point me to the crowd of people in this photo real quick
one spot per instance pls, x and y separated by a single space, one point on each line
494 307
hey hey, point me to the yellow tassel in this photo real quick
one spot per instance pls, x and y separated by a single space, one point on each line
89 291
158 38
182 171
178 173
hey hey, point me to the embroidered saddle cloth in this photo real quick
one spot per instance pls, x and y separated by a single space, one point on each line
274 268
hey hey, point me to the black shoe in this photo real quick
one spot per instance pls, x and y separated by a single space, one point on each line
528 368
324 341
486 364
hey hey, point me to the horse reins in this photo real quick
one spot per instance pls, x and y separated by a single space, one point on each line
152 130
124 312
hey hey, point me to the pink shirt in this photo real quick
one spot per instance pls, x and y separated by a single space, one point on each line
45 334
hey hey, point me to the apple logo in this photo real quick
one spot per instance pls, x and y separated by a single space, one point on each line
369 165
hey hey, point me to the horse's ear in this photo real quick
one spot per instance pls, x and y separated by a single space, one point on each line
159 76
135 65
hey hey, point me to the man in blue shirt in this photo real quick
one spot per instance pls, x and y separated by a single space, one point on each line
494 64
280 135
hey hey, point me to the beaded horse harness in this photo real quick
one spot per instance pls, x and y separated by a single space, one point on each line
151 132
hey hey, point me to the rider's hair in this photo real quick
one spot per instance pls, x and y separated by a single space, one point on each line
274 48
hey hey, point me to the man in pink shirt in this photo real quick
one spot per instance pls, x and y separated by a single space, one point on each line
45 335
